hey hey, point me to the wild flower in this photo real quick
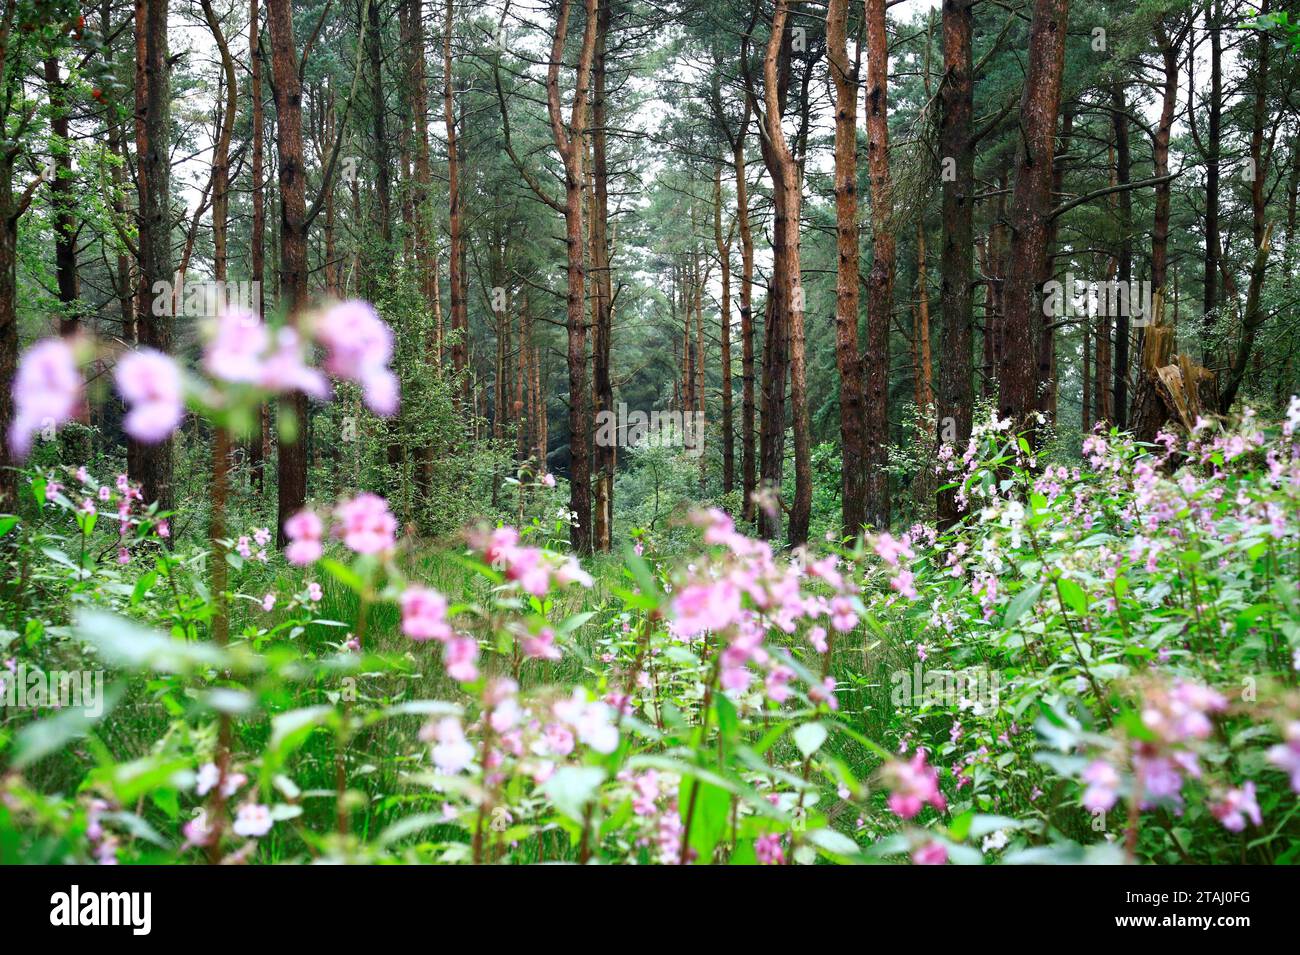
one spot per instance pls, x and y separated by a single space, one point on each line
46 391
150 383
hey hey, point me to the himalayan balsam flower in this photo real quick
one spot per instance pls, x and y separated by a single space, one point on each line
150 383
366 525
252 820
424 614
913 784
46 391
359 346
234 352
1103 783
767 849
542 646
452 753
459 658
1238 805
932 853
304 531
1286 755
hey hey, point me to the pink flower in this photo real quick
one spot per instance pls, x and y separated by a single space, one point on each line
931 853
913 784
359 346
197 832
1236 807
234 353
365 524
1286 756
843 618
424 614
777 683
1103 782
380 391
903 582
452 752
817 637
268 603
313 592
548 479
542 646
700 607
150 382
459 658
571 572
252 820
890 550
767 849
46 391
284 370
304 531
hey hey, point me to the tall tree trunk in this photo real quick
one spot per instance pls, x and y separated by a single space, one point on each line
724 329
880 280
1261 230
1103 384
1031 202
926 365
456 253
602 284
1210 300
9 214
383 174
848 360
63 205
1047 377
1119 117
257 239
568 143
292 474
153 465
786 296
1148 406
748 457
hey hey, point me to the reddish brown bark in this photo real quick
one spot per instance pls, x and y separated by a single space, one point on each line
1031 202
786 297
292 475
456 252
880 280
844 76
602 386
724 328
152 465
257 239
568 143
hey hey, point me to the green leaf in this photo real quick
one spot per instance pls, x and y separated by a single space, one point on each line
1073 595
1020 603
343 574
809 738
572 787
